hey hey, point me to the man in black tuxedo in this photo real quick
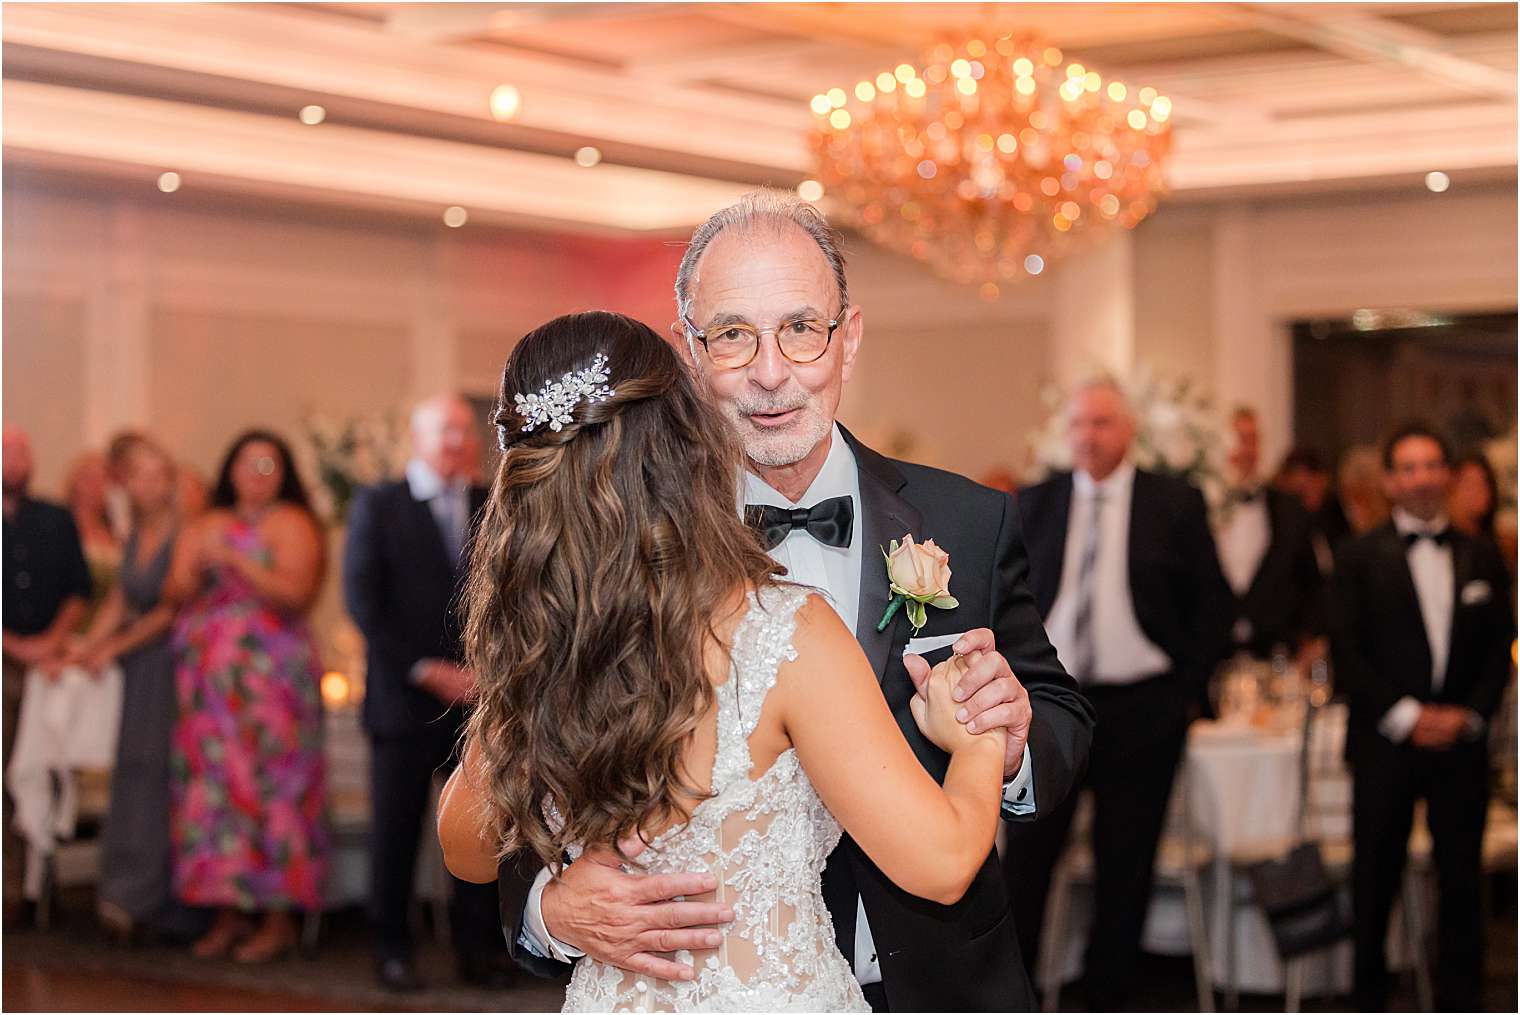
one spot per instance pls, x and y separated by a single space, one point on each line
402 568
1267 554
1423 629
1124 573
769 267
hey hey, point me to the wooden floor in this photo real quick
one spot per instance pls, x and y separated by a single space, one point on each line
30 988
73 967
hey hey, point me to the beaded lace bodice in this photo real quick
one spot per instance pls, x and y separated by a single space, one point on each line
766 840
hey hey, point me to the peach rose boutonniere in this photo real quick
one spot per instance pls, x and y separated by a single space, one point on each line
918 576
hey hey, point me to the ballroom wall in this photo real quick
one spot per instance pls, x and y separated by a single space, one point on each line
198 319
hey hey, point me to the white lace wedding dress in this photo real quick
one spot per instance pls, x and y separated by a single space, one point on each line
766 840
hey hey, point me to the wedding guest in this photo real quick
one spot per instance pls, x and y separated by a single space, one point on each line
1303 474
46 597
1474 501
87 493
1359 492
247 814
1124 571
1423 632
402 573
131 628
190 494
1266 553
118 501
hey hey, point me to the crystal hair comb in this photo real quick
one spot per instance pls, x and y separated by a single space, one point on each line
555 401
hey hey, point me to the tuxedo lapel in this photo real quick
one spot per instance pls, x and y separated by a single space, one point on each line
884 516
426 526
1401 579
1047 549
1461 574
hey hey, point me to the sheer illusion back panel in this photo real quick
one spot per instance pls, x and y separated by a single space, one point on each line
765 836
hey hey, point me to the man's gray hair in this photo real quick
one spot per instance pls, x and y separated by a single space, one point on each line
767 209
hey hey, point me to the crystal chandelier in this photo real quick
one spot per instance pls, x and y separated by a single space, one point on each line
992 158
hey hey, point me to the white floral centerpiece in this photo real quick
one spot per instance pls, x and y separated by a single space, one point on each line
1177 432
345 454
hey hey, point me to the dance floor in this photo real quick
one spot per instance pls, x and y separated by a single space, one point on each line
73 967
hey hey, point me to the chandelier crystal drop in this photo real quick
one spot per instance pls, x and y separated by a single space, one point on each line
991 157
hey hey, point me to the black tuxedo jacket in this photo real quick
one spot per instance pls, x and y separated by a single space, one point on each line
963 957
1180 596
1285 601
1380 650
402 590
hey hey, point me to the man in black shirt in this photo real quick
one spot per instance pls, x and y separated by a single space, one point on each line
47 586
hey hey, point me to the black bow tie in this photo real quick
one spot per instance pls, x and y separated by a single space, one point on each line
1242 495
1439 538
829 521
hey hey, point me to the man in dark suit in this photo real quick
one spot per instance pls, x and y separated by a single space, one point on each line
1267 554
1423 630
47 592
402 568
1125 575
768 270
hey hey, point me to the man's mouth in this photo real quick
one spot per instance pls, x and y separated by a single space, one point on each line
766 420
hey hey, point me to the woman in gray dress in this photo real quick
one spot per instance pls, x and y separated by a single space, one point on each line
131 629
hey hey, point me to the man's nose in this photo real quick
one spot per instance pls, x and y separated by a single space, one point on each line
770 368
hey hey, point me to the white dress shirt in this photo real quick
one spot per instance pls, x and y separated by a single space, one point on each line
1243 540
449 502
1122 654
835 572
1435 579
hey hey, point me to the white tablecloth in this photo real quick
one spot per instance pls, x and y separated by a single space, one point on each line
1244 785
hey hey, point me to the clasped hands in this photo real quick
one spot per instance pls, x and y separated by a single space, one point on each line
1440 726
637 922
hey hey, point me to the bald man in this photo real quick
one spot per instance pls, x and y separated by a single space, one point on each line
402 568
1126 577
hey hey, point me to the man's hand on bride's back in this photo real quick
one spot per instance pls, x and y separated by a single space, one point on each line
632 920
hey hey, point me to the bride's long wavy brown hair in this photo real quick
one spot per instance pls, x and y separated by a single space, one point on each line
605 551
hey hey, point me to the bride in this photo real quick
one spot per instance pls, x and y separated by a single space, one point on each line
646 680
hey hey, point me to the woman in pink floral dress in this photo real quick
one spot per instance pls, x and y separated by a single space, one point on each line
248 830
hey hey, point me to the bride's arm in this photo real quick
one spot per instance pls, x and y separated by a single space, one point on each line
930 840
461 824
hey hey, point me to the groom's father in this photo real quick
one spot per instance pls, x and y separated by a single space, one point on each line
1124 571
766 319
401 568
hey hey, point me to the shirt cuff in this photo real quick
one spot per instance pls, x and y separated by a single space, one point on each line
1018 794
535 935
1398 722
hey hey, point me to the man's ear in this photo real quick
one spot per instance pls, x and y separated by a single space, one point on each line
853 330
682 343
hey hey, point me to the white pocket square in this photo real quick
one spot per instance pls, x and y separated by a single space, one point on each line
1477 591
921 646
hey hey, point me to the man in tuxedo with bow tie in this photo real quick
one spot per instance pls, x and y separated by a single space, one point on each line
403 563
766 320
1422 641
1266 550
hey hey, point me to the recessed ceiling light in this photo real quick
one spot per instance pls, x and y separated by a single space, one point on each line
168 182
810 190
312 115
455 216
587 156
1437 182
